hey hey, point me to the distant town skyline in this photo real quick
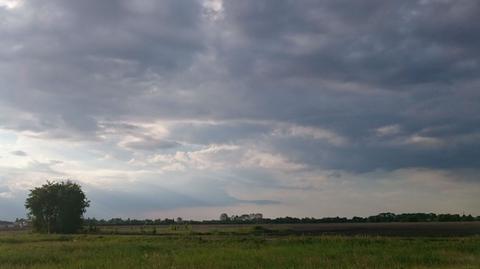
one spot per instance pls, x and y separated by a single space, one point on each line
167 108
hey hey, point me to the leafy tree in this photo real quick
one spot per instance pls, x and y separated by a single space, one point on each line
57 207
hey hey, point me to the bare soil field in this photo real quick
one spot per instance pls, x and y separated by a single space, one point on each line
380 229
389 229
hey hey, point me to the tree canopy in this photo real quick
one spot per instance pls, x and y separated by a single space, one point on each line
57 207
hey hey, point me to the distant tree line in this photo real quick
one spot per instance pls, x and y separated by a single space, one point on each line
382 217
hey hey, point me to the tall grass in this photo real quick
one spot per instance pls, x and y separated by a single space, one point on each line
236 251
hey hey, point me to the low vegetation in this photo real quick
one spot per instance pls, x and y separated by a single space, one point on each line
247 250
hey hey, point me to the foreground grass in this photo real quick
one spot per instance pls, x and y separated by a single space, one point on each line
246 251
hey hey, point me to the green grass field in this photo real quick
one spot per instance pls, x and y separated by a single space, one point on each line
25 250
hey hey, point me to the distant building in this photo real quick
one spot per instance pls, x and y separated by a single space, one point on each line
244 217
224 217
21 223
248 217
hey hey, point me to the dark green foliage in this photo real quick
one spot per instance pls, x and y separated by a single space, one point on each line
57 207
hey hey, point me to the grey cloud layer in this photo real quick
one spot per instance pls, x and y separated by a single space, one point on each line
335 85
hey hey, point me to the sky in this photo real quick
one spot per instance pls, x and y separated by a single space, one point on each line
315 108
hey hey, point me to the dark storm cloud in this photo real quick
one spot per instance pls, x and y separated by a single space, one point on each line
71 63
353 67
346 66
387 43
